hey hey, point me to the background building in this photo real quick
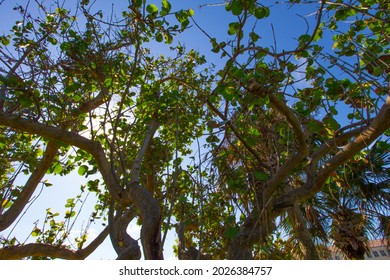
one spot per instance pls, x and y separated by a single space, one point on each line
379 250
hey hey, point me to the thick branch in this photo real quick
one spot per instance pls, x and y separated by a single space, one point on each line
298 157
255 229
315 181
146 203
299 224
151 219
291 118
136 194
51 251
17 207
125 246
332 144
70 138
136 169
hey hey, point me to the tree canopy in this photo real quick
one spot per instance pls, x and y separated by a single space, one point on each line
255 148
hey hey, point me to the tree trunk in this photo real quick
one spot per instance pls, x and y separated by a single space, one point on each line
299 224
254 230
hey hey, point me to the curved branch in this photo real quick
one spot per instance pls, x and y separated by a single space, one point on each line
149 207
303 234
51 251
136 194
136 169
332 144
298 157
17 207
125 246
151 218
291 118
315 181
62 135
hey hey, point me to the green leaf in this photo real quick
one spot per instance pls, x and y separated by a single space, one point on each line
76 97
107 82
315 126
254 37
344 13
261 12
52 40
318 35
152 9
65 46
260 175
137 3
82 170
47 184
5 40
212 139
159 37
182 17
216 47
166 7
71 88
29 26
70 203
331 123
69 214
36 232
93 185
303 39
236 7
234 27
168 38
57 168
6 204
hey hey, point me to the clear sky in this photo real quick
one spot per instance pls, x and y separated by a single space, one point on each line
283 27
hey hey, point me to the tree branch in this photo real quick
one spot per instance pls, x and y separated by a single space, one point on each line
332 144
237 134
298 157
299 224
291 118
315 182
361 11
51 251
62 135
125 246
136 169
17 207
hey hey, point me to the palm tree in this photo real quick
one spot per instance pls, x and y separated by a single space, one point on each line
355 204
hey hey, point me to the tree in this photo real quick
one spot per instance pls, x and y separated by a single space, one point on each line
88 95
356 203
276 142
